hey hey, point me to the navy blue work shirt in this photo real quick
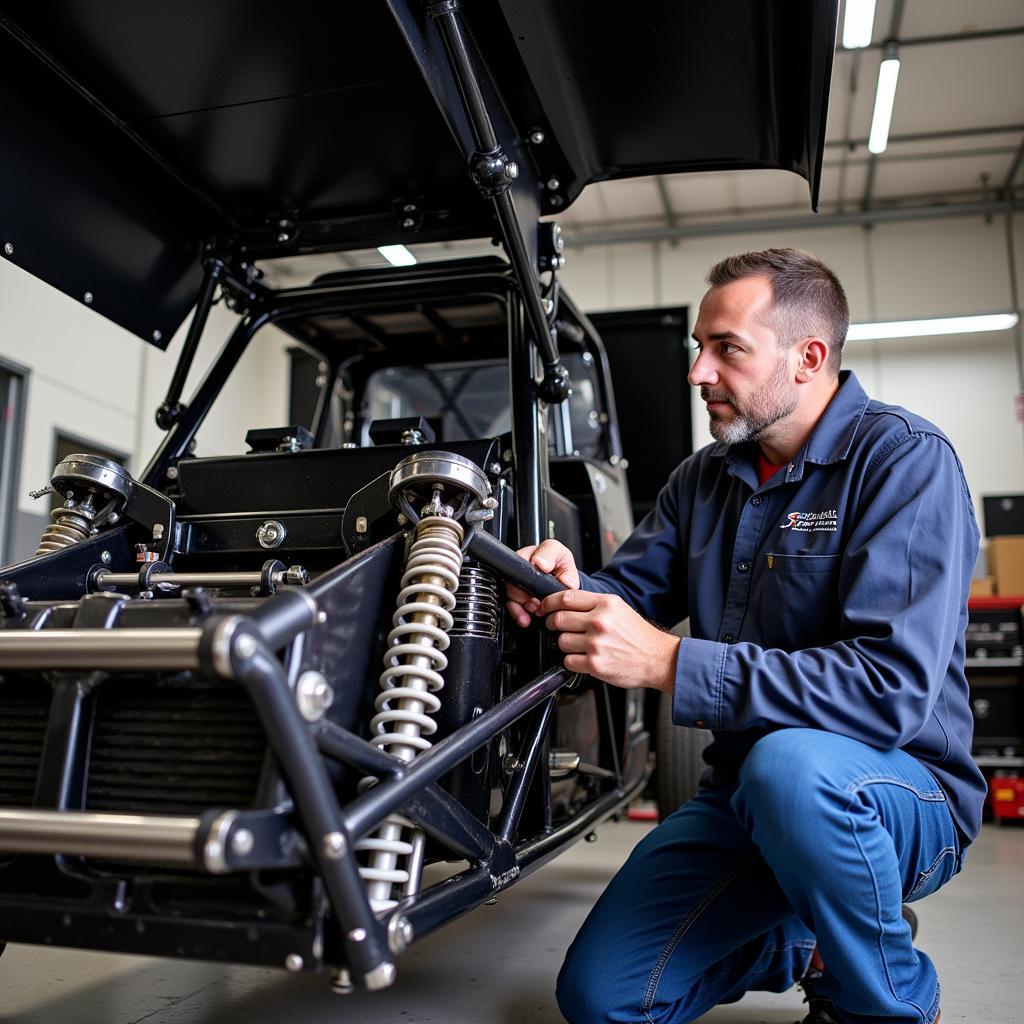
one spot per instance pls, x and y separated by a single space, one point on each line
833 596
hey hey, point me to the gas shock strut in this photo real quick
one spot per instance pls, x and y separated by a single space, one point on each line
415 658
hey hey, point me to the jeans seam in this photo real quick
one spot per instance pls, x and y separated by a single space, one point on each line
924 877
874 884
684 926
935 796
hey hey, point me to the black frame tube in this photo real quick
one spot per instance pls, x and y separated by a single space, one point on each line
369 809
171 409
528 758
555 386
179 437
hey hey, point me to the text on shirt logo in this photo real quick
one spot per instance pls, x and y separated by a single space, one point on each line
812 522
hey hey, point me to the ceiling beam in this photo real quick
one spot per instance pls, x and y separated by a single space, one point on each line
948 133
949 37
1011 176
886 215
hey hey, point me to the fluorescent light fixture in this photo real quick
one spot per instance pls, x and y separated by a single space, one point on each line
857 24
885 96
932 327
397 255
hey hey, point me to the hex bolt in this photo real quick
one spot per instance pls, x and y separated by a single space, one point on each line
157 335
495 468
361 524
334 846
409 208
537 138
105 557
408 222
512 169
158 531
399 933
87 298
293 962
8 248
313 695
172 472
245 646
242 842
553 183
271 534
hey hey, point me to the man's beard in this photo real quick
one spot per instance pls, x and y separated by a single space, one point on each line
771 402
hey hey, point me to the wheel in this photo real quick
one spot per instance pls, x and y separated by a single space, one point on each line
680 762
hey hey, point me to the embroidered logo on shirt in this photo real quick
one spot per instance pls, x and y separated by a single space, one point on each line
812 522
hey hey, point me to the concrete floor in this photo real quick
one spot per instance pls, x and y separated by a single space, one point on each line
498 964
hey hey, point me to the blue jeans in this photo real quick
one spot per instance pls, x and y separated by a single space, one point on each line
820 840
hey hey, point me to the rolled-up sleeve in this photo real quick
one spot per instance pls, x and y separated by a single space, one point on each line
903 580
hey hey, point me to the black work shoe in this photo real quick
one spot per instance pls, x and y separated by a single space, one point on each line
821 1009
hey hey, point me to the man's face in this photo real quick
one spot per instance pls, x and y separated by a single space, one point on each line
744 376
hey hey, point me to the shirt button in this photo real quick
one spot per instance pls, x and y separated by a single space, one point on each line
727 639
756 500
743 566
699 723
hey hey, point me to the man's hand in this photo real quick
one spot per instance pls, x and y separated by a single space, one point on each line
603 637
550 557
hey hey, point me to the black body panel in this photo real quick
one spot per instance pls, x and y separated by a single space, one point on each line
135 134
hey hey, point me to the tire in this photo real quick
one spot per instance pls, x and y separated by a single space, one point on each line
680 763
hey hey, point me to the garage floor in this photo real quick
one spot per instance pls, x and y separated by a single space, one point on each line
498 965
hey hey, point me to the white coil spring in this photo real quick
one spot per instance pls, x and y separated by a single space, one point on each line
409 685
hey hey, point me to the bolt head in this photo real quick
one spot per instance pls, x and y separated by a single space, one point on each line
245 646
553 184
283 236
242 842
409 208
157 335
334 845
361 524
512 169
172 472
357 935
8 249
87 298
293 962
105 558
408 222
270 534
537 138
313 695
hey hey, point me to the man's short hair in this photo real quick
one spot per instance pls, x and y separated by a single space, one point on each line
808 298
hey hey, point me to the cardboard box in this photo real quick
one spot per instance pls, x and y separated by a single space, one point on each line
1006 564
983 586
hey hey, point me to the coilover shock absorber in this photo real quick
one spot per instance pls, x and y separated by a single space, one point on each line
415 658
94 489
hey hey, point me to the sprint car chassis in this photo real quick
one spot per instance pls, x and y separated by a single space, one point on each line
183 768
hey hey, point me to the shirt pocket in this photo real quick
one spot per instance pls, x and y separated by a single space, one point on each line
800 601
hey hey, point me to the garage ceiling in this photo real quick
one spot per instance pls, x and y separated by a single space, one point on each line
957 135
956 144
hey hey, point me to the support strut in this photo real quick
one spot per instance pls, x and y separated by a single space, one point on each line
494 172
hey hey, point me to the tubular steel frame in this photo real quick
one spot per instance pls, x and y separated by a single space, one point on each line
242 648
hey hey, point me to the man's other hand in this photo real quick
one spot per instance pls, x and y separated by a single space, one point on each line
603 637
550 557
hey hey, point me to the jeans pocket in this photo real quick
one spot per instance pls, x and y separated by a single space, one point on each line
941 870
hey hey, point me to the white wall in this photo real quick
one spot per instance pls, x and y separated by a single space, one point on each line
92 379
965 384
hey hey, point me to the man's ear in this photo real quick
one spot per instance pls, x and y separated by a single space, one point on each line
813 358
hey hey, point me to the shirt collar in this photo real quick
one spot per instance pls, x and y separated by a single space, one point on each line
832 437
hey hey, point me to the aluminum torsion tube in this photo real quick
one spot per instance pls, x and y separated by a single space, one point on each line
167 840
100 649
